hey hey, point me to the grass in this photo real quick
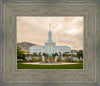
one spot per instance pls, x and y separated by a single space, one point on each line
30 66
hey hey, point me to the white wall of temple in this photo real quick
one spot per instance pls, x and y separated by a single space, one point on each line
37 51
44 49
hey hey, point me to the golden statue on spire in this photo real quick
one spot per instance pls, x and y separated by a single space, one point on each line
50 26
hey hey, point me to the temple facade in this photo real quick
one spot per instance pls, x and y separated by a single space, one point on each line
49 47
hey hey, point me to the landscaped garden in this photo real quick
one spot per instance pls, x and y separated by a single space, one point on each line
43 61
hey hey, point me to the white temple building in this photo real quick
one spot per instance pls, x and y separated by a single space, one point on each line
49 47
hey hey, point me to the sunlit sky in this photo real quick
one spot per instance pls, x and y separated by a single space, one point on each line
67 31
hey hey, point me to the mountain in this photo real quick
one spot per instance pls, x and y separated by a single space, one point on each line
74 51
25 45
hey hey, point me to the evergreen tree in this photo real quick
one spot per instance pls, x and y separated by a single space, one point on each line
80 54
20 53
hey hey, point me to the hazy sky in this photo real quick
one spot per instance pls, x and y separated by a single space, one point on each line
65 30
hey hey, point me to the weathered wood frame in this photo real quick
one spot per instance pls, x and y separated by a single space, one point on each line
88 76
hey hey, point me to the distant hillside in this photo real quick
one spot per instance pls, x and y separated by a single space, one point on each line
25 45
74 51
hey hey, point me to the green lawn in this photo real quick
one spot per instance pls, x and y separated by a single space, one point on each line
30 66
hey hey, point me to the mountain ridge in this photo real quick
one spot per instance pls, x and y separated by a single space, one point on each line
25 45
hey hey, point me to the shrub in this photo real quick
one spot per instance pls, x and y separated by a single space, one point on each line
69 59
78 61
65 59
34 60
59 59
53 58
54 61
40 59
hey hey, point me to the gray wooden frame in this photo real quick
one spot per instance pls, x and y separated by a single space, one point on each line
91 72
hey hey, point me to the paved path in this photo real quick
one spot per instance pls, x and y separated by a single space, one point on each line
37 63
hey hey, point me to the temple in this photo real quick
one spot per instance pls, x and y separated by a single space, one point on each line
49 47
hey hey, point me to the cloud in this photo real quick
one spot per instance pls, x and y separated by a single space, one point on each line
65 30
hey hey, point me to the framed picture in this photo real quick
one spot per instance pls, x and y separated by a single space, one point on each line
50 43
34 53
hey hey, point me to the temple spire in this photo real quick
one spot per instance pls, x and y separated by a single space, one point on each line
50 27
50 34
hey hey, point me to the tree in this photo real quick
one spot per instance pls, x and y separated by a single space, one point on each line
20 53
65 54
56 54
44 54
27 55
39 54
80 54
35 54
59 59
60 53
